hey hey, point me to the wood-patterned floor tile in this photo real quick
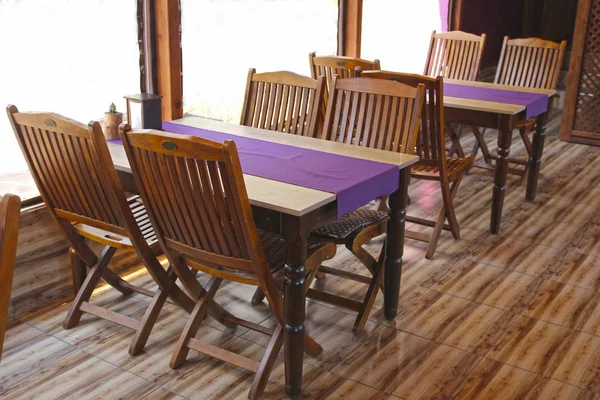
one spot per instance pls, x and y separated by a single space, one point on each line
332 329
408 366
546 232
568 306
453 321
580 270
496 287
163 394
334 387
427 273
553 351
492 380
518 255
590 240
27 352
90 378
202 377
559 210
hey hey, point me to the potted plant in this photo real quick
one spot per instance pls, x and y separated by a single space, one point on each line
112 120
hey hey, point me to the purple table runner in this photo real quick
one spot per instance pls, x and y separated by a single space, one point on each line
354 181
534 103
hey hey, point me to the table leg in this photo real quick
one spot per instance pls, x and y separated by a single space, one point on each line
394 246
501 172
537 149
294 303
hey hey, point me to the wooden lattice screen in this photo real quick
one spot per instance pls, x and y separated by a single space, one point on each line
581 117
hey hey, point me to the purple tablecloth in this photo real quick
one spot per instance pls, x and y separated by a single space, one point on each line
354 181
535 103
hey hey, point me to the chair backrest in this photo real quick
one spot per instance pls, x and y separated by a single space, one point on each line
431 139
71 165
342 66
284 102
455 55
374 113
531 62
10 206
196 198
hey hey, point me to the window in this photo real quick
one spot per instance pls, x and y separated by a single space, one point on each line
72 57
397 32
222 39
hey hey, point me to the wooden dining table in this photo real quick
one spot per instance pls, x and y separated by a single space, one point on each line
294 212
504 117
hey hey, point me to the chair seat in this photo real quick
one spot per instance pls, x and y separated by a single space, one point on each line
425 170
104 236
350 223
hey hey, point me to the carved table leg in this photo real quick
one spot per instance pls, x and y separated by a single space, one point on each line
294 303
536 155
395 245
501 172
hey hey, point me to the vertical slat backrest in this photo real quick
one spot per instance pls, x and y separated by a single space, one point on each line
344 67
455 55
430 142
65 165
374 113
284 102
10 207
196 198
531 62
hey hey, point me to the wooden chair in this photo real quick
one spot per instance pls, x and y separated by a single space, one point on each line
455 55
371 113
283 102
10 208
433 164
74 173
203 220
530 63
344 67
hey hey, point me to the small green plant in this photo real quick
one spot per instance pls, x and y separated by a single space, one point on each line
112 108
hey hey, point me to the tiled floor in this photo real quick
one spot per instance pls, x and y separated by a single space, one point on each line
509 316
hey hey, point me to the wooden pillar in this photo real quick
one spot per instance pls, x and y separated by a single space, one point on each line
456 15
168 58
350 27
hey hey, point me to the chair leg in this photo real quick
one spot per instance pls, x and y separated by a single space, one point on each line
376 282
450 211
447 212
257 297
266 364
193 322
528 148
311 347
115 281
367 260
480 143
435 236
455 147
87 288
147 323
78 269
